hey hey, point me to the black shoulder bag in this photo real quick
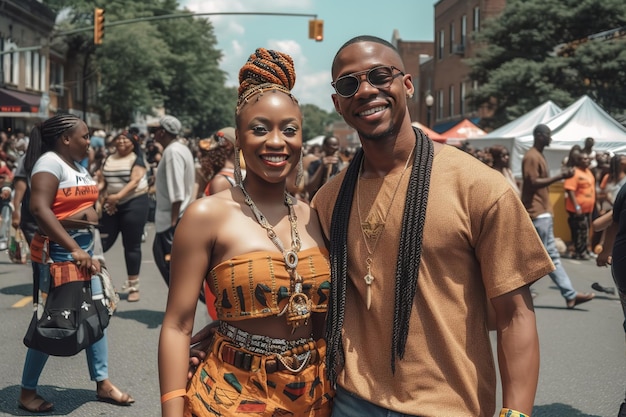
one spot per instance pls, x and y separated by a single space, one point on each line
71 319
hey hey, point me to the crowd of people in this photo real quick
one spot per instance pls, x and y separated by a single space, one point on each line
588 193
337 301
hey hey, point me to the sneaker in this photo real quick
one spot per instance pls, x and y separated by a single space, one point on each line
3 245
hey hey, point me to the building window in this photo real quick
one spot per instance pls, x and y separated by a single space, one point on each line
440 104
476 19
463 30
35 73
451 100
28 62
462 98
56 78
442 42
43 64
452 38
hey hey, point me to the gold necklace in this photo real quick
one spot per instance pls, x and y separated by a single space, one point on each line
368 232
298 308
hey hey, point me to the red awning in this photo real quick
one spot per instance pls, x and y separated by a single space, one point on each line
430 133
463 130
12 101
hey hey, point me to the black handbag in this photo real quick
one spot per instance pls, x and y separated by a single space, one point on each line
71 319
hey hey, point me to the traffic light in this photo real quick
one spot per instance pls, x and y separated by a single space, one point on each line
316 30
98 26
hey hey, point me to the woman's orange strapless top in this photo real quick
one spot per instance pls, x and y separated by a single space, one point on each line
256 284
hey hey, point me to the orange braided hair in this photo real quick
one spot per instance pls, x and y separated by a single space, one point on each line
265 69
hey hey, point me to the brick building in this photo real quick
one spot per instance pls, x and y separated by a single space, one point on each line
413 53
456 24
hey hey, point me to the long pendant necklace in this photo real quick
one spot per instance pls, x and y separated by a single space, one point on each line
370 232
298 308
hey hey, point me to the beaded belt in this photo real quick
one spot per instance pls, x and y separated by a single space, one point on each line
263 345
252 362
290 355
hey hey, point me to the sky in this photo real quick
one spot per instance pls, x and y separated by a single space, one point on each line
238 36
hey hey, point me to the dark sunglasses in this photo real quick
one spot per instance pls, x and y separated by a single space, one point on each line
378 77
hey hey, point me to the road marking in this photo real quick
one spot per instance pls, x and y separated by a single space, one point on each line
23 302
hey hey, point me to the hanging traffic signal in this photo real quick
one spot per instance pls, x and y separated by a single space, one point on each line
316 30
98 26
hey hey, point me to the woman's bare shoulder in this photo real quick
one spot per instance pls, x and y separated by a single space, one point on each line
211 208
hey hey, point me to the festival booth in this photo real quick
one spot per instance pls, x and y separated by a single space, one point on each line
461 131
572 126
583 119
437 137
505 135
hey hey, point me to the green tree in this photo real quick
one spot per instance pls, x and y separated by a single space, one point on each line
316 121
517 68
170 63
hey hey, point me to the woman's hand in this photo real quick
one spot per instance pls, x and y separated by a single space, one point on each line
85 262
110 204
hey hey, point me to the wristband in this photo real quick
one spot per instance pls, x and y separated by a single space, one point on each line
173 394
507 412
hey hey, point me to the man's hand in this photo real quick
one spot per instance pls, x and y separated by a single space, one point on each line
330 160
200 343
567 172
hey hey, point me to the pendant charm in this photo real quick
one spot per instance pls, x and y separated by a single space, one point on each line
298 310
368 278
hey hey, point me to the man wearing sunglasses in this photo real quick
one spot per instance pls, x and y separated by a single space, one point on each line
423 262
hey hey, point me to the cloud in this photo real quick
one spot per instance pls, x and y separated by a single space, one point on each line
311 88
314 88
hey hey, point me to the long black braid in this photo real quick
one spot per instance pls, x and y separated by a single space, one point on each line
409 254
339 268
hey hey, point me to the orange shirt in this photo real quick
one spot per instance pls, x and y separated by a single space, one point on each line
583 184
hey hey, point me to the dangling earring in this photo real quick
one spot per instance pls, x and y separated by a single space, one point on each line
300 172
238 175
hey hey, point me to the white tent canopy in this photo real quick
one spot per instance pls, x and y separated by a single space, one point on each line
317 140
581 120
505 135
527 122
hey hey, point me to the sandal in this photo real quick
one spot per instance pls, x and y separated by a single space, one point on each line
132 288
116 397
36 405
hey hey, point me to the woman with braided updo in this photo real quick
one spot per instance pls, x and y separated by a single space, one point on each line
62 201
267 266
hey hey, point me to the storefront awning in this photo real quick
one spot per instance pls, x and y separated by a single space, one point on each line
12 101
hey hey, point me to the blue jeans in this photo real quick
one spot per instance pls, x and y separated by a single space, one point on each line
544 227
347 404
97 354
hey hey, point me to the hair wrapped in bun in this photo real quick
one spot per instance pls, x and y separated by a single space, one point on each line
265 70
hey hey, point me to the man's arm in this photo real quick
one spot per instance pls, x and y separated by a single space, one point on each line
518 349
566 172
572 196
175 212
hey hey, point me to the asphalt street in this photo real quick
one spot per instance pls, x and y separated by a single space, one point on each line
583 361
